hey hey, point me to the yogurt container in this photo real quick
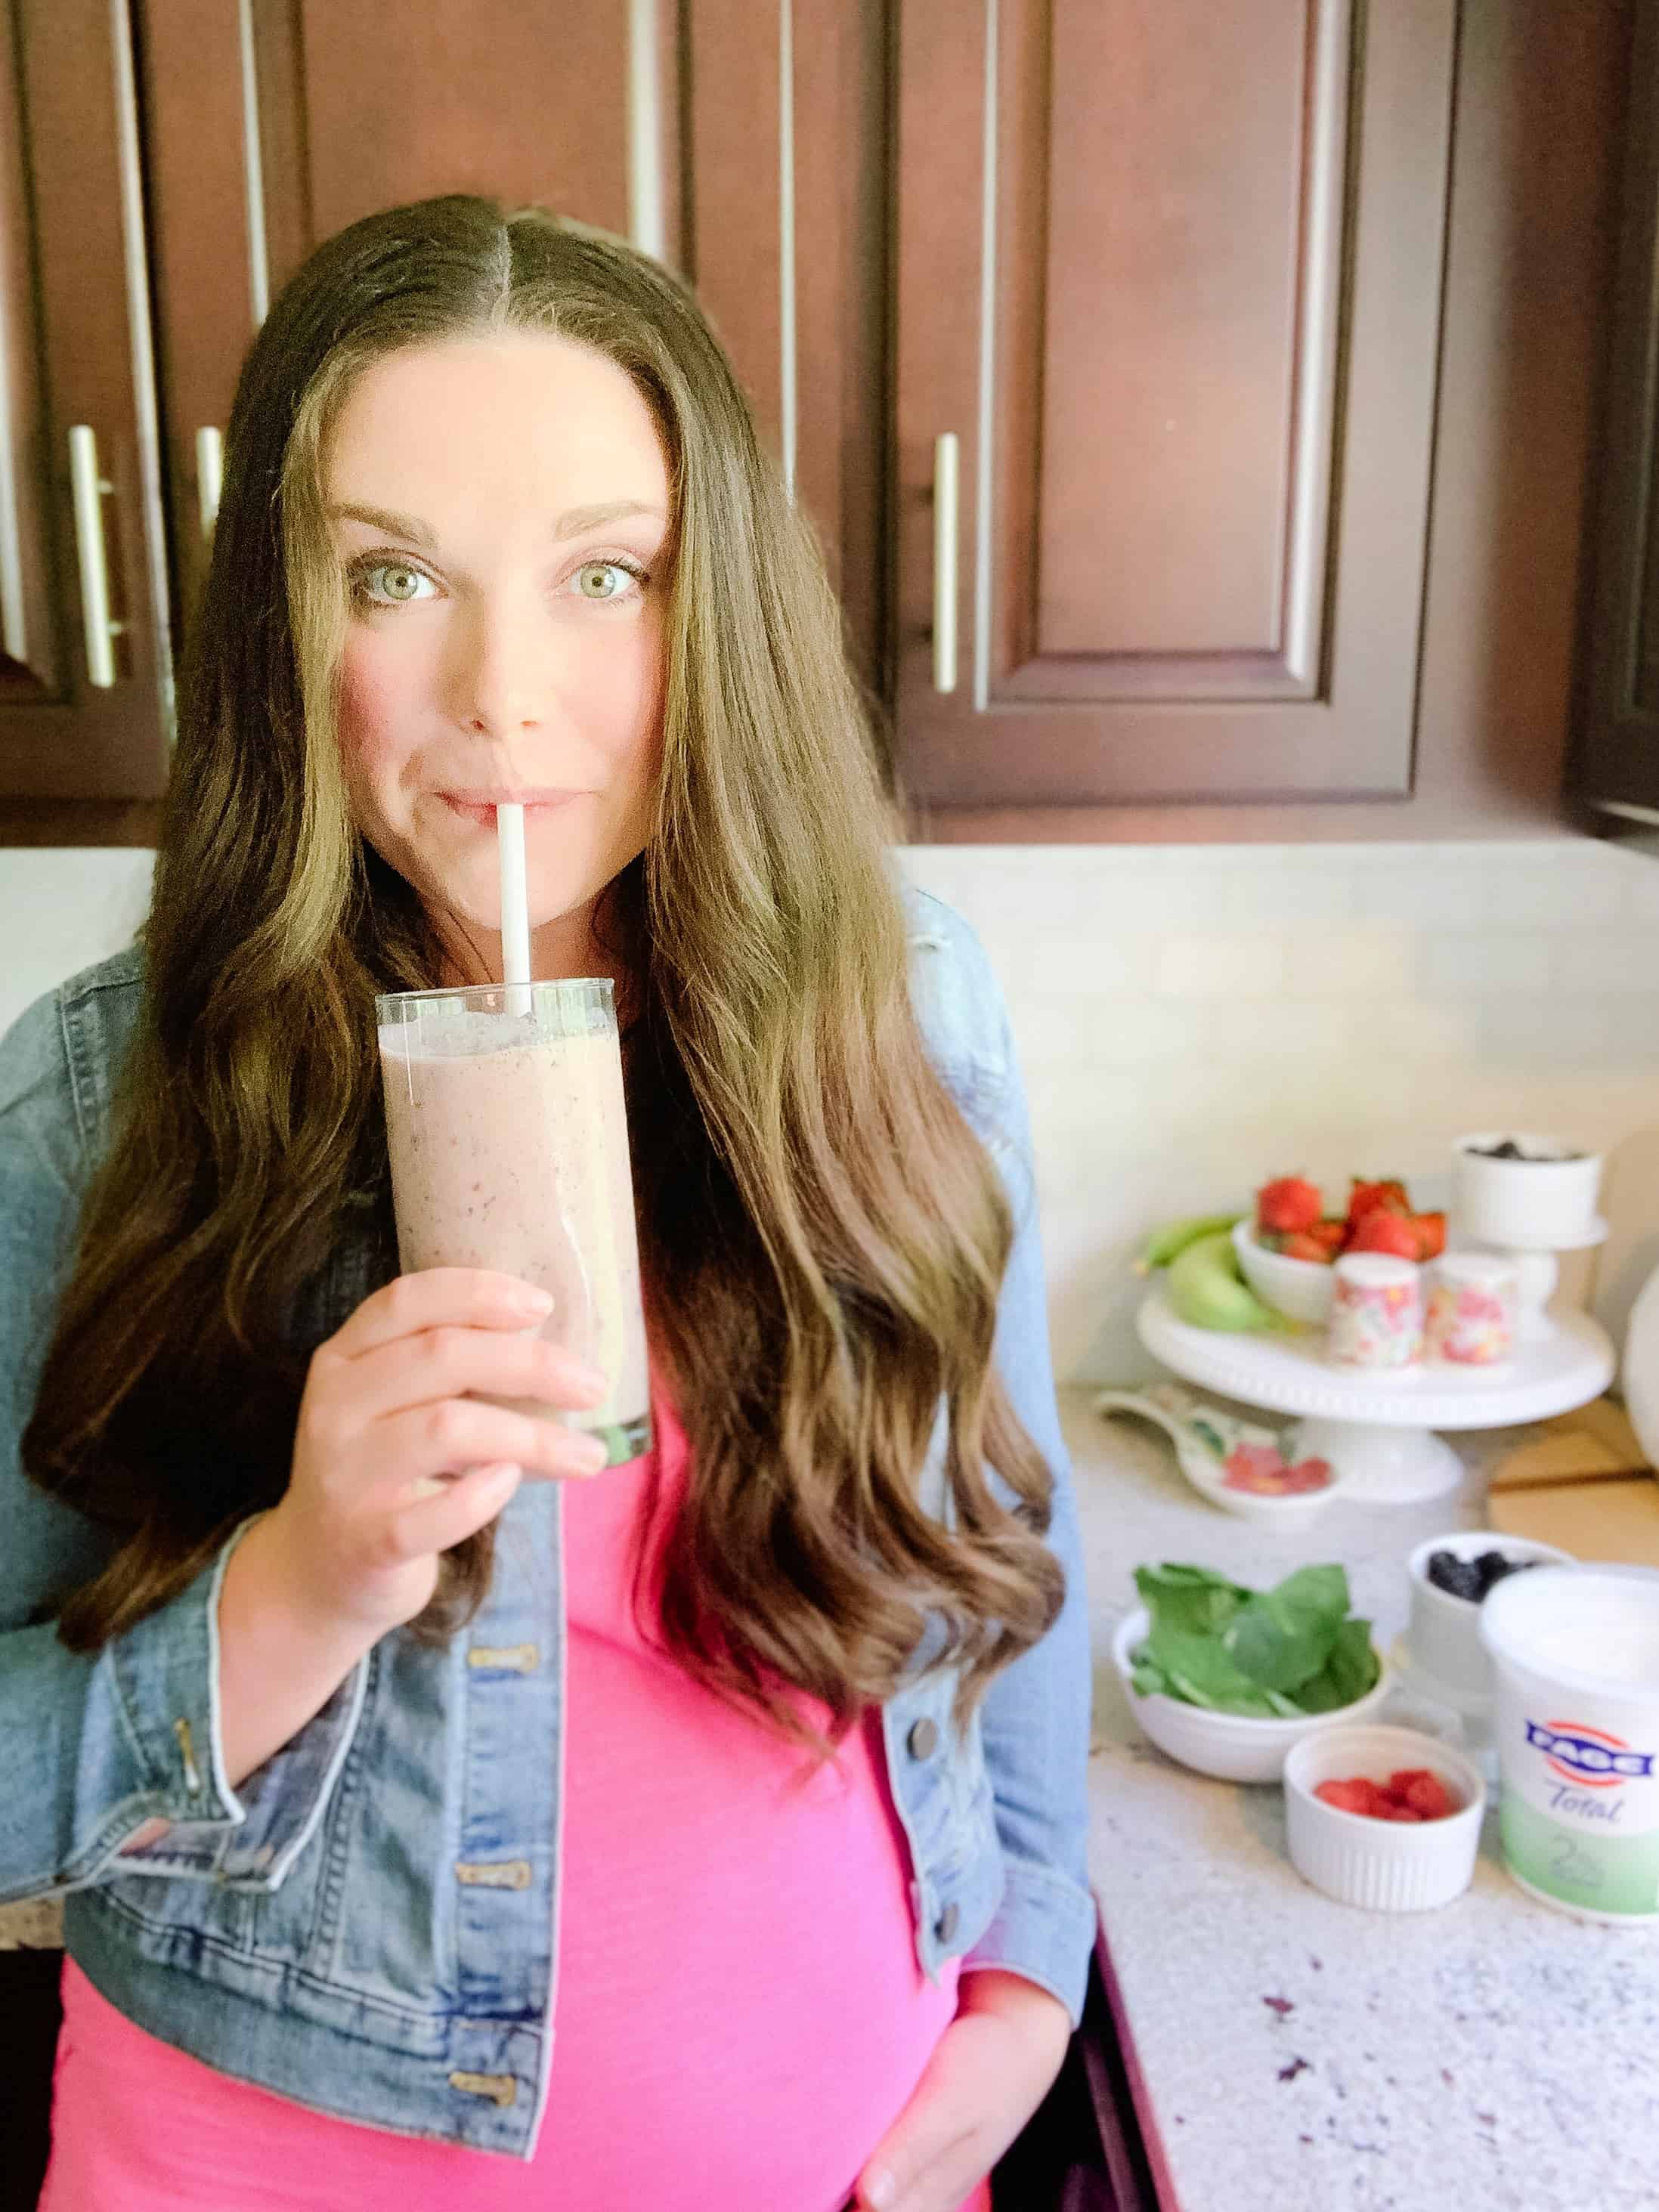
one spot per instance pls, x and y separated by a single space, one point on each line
1575 1653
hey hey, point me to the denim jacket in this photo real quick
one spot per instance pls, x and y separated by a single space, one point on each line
367 1924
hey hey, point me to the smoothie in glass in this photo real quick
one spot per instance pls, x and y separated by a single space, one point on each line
508 1140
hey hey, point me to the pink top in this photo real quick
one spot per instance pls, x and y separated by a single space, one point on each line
777 1912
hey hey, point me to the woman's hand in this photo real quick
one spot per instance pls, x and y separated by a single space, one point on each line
994 2065
392 1402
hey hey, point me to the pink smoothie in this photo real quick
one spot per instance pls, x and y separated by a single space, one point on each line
509 1150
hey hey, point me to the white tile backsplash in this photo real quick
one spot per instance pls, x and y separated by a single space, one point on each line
1458 961
60 910
1226 965
1365 960
1330 1009
1192 1019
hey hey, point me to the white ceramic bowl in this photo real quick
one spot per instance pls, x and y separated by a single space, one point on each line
1232 1746
1387 1866
1301 1290
1531 1200
1445 1632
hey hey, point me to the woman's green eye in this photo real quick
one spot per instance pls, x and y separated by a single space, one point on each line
393 582
603 579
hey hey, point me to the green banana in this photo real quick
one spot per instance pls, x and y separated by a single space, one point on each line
1163 1245
1207 1289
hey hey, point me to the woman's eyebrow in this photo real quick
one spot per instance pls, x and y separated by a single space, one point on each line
394 525
576 520
571 523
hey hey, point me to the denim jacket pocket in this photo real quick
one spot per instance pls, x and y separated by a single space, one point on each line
333 1924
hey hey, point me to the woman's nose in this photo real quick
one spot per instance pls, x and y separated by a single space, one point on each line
501 674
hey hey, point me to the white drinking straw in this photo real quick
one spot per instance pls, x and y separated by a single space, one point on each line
515 905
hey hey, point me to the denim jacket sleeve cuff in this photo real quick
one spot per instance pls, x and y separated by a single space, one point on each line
1044 1930
166 1681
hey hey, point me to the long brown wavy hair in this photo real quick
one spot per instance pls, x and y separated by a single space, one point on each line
823 1235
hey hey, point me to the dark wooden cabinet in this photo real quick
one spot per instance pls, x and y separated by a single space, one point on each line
1267 335
1174 274
1616 757
1197 289
85 663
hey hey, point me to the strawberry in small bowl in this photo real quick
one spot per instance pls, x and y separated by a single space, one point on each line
1288 1247
1288 1207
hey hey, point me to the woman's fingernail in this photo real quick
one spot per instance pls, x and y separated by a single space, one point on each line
528 1299
881 2190
590 1454
592 1385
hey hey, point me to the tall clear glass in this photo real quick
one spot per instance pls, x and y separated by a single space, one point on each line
508 1137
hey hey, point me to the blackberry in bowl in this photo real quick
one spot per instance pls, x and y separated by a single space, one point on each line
1470 1578
1450 1577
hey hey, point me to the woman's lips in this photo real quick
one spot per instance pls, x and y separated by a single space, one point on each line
482 811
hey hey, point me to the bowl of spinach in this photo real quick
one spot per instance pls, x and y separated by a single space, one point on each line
1226 1678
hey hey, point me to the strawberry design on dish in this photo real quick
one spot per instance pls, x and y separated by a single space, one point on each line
1264 1471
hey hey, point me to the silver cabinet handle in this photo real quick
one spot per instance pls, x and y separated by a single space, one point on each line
88 489
945 561
209 476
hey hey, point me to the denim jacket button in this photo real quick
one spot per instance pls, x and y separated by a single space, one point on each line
923 1739
945 1926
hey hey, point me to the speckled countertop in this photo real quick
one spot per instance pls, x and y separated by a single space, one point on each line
1297 2054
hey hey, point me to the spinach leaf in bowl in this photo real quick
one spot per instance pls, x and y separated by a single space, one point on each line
1280 1653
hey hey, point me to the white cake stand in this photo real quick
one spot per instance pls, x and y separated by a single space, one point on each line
1377 1430
1538 1271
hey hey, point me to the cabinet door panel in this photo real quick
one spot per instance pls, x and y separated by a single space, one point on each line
1170 341
83 706
1173 273
496 97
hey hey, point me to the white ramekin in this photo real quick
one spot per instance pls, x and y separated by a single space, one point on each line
1386 1866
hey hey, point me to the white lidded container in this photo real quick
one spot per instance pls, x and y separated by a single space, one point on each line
1384 1865
1575 1654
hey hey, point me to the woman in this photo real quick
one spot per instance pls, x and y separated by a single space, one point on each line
714 1838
